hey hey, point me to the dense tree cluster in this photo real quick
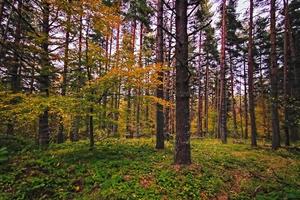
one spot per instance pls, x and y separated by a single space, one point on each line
73 70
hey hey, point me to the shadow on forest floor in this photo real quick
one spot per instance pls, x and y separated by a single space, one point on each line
133 169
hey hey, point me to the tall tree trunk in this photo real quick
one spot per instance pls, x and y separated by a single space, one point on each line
241 110
89 75
200 101
295 94
160 88
103 113
274 80
263 97
250 79
245 99
60 135
44 135
117 96
129 92
138 100
2 6
74 133
206 97
16 66
223 98
235 132
286 86
168 79
182 144
217 108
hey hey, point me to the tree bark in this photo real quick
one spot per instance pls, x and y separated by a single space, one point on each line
138 100
274 80
250 79
182 144
235 132
223 101
206 98
286 86
89 75
60 135
44 135
245 99
160 87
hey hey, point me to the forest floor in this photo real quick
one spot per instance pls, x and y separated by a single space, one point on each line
133 169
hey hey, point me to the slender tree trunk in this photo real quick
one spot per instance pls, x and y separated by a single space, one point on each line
223 98
286 86
128 116
172 114
44 135
241 110
294 75
89 75
200 100
168 79
138 103
250 79
274 80
245 99
217 104
262 88
206 96
160 88
235 132
2 6
117 97
76 122
182 144
16 66
60 135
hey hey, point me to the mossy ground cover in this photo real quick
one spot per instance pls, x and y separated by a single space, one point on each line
133 169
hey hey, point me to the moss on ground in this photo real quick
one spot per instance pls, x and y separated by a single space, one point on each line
133 169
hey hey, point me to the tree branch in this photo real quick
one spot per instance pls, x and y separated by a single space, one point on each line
200 28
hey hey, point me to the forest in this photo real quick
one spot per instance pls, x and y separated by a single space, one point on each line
149 99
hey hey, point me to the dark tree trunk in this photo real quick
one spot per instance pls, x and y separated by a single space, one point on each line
138 100
116 102
16 65
44 76
274 80
206 98
60 135
245 100
160 88
235 132
89 75
217 105
44 130
182 144
2 5
250 79
75 124
286 85
223 98
294 83
241 110
128 114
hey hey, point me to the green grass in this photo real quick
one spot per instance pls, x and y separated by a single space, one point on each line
133 169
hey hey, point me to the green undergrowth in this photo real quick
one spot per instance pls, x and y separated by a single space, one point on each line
133 169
